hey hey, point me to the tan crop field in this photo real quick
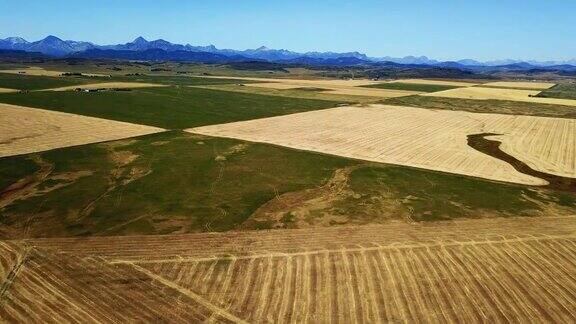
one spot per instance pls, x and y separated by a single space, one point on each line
438 82
109 85
38 71
371 92
482 93
276 85
27 130
465 271
435 140
335 87
519 84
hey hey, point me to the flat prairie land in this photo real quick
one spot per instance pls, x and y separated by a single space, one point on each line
276 85
418 87
435 140
437 82
306 82
368 92
337 87
38 71
510 270
166 107
109 85
292 92
176 182
483 93
26 130
35 82
519 84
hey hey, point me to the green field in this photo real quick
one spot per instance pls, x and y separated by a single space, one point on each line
170 107
32 82
156 184
176 182
411 86
485 106
560 91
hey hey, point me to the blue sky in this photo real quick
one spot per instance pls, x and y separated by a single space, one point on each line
484 30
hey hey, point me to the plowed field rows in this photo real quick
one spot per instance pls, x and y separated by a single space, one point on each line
484 270
429 139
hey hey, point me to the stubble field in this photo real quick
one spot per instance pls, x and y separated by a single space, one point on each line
27 130
435 140
491 270
482 93
519 84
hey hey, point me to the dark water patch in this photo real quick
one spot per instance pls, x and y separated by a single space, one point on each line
480 143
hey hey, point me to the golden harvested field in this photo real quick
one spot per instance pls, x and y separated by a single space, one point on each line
336 87
371 92
430 139
338 90
518 84
465 271
108 85
482 93
438 82
38 71
275 85
27 130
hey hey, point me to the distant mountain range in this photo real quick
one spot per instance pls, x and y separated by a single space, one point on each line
141 49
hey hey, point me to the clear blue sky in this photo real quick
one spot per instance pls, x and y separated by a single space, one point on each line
484 30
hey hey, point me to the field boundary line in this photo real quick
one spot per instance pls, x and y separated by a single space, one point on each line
343 250
199 299
13 274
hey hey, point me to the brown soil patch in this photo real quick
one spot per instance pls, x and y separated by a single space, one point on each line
292 209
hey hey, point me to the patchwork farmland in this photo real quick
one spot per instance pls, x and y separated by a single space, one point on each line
435 140
233 197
